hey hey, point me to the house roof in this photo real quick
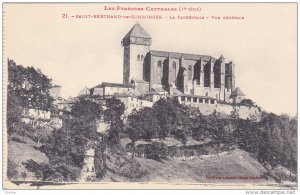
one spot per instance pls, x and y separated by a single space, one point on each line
106 84
158 89
178 55
237 92
175 91
138 31
152 93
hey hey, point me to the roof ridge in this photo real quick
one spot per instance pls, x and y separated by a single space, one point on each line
137 31
180 53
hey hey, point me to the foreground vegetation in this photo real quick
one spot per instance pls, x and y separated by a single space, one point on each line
272 140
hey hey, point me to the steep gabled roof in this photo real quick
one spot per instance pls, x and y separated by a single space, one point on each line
138 31
179 55
237 92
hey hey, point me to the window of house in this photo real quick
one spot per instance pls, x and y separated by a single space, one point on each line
182 98
206 101
189 99
194 99
138 58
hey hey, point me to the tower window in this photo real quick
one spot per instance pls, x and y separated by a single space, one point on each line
138 58
174 71
159 71
190 73
159 64
142 58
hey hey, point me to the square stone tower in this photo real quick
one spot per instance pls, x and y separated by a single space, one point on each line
136 45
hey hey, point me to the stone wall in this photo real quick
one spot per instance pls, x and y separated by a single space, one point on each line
243 112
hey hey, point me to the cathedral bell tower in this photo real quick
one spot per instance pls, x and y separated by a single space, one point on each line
136 45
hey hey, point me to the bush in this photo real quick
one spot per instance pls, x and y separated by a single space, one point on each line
180 136
247 102
12 170
18 140
156 151
57 173
133 171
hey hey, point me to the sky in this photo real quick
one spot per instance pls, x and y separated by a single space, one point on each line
78 53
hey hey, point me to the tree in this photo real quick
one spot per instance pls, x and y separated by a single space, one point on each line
78 134
166 114
29 86
113 114
175 118
143 124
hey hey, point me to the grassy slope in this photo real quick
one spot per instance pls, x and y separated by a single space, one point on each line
21 152
238 163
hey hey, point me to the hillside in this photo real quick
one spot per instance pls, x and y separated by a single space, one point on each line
21 149
201 170
204 169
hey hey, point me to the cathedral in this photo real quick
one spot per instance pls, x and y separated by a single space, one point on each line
174 73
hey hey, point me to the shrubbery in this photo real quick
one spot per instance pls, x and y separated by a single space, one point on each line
273 139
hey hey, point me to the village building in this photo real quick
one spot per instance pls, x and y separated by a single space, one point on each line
54 91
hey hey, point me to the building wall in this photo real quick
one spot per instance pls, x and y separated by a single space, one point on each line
134 57
156 77
88 169
55 92
117 90
132 103
98 91
36 113
243 112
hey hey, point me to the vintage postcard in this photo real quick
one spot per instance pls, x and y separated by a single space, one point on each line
150 96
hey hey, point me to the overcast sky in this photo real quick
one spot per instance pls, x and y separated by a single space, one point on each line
78 53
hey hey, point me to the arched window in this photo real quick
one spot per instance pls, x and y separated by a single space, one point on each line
190 73
174 71
138 58
159 64
142 58
158 71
